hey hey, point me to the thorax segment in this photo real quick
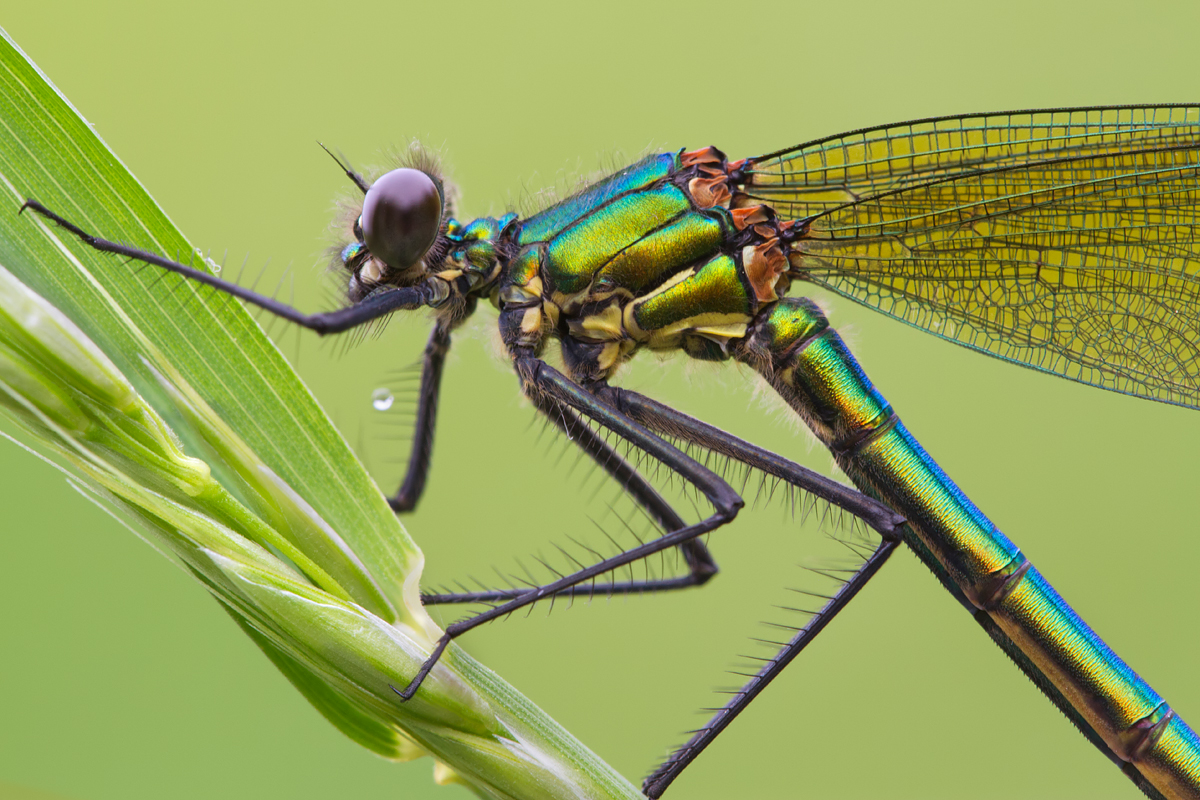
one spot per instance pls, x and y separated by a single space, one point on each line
650 256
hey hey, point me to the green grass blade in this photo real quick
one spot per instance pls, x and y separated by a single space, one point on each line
178 411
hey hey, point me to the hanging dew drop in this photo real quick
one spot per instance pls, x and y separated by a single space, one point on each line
382 399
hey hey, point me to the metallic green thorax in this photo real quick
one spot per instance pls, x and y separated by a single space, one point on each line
651 256
667 254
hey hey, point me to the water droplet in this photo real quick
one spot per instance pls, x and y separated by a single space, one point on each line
213 266
382 399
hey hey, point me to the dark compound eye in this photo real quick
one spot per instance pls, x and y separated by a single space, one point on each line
357 231
401 216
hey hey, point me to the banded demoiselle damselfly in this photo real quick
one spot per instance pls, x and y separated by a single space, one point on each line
1063 240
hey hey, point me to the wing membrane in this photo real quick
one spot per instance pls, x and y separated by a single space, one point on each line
827 173
1075 254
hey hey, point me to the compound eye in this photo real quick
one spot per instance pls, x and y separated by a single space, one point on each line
401 216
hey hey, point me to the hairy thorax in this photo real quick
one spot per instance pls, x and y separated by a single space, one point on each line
657 255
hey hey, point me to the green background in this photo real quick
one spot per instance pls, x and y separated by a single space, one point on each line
120 678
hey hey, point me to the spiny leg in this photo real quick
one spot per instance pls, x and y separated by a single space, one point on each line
666 421
539 378
544 384
371 307
701 566
434 360
661 778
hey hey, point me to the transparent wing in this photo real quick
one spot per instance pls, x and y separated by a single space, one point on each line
1078 255
811 178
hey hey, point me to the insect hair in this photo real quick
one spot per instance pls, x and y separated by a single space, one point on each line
568 182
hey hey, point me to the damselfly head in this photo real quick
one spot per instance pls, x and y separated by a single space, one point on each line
397 227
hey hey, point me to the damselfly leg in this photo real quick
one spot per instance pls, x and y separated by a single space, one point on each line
662 777
543 383
433 361
701 566
371 308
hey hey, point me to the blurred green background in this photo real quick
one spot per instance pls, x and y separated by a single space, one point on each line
120 678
